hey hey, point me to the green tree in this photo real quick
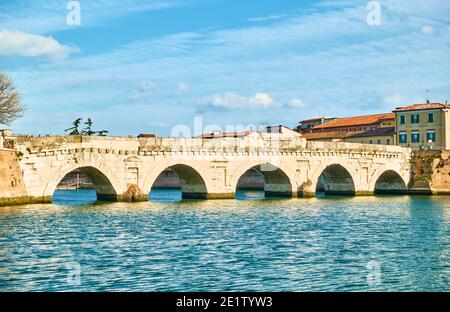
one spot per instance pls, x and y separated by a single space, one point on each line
88 130
74 130
11 107
102 132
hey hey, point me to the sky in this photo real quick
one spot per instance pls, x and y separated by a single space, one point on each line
152 66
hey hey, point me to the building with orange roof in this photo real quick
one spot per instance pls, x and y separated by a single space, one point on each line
357 123
279 131
217 134
306 125
367 129
423 126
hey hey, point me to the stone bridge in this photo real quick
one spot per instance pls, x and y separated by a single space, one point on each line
125 169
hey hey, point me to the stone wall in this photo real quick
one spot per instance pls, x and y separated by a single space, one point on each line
12 186
430 172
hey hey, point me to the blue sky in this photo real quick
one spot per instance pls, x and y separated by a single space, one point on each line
147 66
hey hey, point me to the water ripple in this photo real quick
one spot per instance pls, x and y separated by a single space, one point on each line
317 244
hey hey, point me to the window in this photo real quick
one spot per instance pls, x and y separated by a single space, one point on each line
388 142
430 117
431 136
378 141
415 118
415 138
370 142
402 119
402 137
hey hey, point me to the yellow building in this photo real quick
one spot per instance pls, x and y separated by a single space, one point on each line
423 126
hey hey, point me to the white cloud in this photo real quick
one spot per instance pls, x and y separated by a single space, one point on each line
427 30
233 100
297 103
145 86
43 16
182 86
395 100
265 18
338 65
15 43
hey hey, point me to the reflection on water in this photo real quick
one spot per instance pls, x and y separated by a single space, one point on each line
74 197
315 244
165 195
84 197
174 195
249 195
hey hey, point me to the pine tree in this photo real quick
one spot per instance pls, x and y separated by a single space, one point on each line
88 130
74 130
102 132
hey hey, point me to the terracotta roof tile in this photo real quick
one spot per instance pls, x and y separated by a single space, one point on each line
328 135
421 107
382 131
355 121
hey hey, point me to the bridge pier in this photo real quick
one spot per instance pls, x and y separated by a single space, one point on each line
132 198
132 194
306 194
220 195
363 193
122 198
25 200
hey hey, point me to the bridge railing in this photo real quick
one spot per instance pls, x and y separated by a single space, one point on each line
247 145
357 147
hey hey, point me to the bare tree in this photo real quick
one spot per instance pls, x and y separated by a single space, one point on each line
11 107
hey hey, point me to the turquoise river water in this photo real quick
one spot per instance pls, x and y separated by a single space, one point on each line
380 243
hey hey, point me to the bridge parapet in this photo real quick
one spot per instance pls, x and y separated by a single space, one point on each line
173 145
357 147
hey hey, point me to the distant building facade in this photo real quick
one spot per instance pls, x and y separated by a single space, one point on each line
307 125
383 135
368 129
277 131
423 126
